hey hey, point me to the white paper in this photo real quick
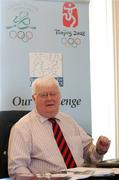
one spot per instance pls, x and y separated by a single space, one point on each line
41 64
46 63
97 172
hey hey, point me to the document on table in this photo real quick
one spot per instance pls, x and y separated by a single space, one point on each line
74 174
78 173
84 172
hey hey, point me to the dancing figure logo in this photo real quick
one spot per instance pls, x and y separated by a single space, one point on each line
70 15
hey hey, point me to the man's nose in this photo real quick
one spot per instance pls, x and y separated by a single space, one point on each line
49 96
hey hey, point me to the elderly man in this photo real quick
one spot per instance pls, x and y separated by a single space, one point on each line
47 140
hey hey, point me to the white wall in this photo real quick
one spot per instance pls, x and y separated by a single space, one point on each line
116 63
102 72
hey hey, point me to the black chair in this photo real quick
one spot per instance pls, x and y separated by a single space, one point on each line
7 119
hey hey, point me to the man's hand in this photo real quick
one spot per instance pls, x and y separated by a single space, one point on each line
102 145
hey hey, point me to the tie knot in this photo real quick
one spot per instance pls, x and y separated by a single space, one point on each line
52 120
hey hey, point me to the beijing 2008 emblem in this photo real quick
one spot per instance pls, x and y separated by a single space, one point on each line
70 15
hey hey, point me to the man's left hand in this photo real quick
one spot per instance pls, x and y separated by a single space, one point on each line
102 145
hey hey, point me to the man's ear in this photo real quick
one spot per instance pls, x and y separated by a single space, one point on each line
33 97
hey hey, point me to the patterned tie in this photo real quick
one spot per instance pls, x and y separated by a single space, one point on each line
62 144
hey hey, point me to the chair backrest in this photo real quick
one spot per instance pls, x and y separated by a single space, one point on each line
7 119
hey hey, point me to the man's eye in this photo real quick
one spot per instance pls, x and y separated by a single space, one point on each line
52 94
43 95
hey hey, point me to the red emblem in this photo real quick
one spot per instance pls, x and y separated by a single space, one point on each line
70 15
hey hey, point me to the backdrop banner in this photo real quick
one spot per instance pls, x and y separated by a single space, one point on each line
46 37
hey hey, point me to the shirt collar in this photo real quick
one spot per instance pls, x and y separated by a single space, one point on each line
44 119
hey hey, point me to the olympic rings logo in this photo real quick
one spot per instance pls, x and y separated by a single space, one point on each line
73 42
24 36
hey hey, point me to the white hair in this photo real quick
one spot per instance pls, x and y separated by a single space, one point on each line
45 81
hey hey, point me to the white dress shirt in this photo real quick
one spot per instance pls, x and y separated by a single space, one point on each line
33 149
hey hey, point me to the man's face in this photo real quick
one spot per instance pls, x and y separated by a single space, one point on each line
47 101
